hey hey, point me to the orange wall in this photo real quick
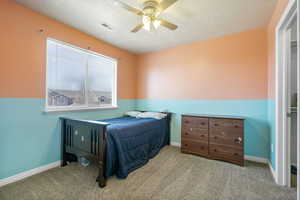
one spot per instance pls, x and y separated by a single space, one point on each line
230 67
214 69
271 45
22 52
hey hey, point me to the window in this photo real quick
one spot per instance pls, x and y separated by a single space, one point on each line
78 79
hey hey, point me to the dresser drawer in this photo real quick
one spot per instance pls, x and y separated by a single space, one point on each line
230 124
195 147
195 122
194 134
235 141
227 136
222 152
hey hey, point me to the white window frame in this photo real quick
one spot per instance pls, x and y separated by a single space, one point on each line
114 104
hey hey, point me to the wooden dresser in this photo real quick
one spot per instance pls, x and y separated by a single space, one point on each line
214 137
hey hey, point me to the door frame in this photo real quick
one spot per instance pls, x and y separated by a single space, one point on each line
298 103
281 119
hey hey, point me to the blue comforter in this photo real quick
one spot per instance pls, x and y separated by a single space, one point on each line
131 142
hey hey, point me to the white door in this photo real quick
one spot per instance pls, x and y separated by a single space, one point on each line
287 107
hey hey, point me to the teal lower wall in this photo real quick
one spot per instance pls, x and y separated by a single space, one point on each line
257 135
271 121
30 138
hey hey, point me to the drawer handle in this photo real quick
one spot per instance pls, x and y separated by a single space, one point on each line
216 124
186 133
216 137
215 150
202 135
236 154
202 123
186 121
202 148
238 140
185 145
236 126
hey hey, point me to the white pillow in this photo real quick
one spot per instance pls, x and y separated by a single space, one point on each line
155 115
132 113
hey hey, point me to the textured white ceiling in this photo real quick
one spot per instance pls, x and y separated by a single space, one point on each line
196 19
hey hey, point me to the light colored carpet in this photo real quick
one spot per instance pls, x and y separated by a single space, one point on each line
170 175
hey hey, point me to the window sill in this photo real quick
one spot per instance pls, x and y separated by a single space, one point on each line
50 110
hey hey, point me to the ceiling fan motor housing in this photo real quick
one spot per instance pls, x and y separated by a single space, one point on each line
151 8
150 14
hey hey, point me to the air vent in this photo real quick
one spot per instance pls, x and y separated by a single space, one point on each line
106 26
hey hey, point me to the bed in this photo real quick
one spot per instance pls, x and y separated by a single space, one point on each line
118 145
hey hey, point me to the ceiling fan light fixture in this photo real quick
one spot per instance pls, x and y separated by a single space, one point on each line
156 23
146 20
150 23
147 23
147 26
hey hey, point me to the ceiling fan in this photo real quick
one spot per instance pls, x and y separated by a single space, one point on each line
150 14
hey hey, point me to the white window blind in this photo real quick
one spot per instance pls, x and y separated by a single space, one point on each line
78 78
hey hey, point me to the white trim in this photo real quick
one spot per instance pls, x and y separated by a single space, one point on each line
64 109
28 173
246 157
298 103
280 101
256 159
176 144
273 172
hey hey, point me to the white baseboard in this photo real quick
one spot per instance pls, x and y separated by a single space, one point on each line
175 144
247 157
256 159
272 171
28 173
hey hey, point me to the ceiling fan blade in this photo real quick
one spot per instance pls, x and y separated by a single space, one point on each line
128 7
137 28
166 4
167 24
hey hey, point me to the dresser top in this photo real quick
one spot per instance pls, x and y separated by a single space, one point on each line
214 116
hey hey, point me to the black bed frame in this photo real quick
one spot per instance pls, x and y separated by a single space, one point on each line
88 138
